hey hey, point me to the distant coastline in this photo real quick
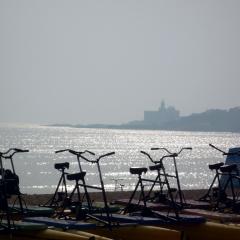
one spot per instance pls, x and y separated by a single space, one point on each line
213 120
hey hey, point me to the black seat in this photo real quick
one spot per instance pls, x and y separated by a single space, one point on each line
215 166
138 170
156 167
76 176
61 166
228 168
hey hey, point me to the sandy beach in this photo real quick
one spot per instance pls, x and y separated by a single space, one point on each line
38 199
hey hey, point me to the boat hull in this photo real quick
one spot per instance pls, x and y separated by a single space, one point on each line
138 232
47 234
209 231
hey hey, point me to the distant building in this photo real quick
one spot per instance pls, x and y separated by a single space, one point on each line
162 116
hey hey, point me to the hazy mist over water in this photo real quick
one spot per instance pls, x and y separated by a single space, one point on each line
36 168
70 61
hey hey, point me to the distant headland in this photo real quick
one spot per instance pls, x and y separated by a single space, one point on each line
168 118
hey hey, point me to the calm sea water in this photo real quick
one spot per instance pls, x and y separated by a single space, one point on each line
38 175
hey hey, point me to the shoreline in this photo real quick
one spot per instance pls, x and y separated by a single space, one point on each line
39 199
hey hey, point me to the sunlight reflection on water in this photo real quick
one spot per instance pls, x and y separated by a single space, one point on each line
36 168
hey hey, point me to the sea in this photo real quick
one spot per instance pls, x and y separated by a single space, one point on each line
38 176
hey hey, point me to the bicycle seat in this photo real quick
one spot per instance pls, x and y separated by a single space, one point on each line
61 166
138 170
228 168
215 166
156 167
76 176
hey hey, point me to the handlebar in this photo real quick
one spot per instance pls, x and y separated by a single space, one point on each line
176 154
166 156
165 149
63 150
148 155
106 155
74 152
4 153
21 150
223 152
80 154
15 150
98 159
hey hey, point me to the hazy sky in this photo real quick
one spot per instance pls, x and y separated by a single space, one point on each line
106 61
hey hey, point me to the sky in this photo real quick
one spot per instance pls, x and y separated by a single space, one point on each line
106 61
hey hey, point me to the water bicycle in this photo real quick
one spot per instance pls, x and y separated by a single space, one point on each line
225 194
9 186
95 223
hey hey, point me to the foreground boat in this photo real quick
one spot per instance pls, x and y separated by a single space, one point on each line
195 231
209 231
126 231
206 231
214 215
47 234
138 232
21 230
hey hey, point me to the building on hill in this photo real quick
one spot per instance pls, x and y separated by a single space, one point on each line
162 116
